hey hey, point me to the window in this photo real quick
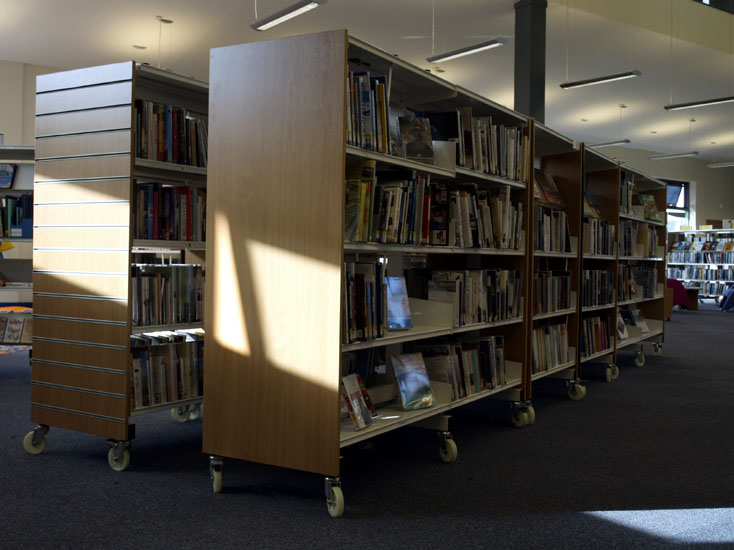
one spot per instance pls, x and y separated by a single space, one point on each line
678 203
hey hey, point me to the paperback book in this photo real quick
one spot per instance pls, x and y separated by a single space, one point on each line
358 409
398 307
414 386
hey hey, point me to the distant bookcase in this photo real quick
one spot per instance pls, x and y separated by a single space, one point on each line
16 236
88 183
702 259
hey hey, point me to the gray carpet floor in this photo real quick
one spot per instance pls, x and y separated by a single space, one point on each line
642 462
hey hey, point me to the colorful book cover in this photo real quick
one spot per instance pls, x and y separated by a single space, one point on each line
7 173
398 307
358 409
416 137
414 386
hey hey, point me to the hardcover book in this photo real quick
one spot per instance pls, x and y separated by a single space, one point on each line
414 386
415 135
552 195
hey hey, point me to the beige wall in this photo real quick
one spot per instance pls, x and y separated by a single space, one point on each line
18 101
712 195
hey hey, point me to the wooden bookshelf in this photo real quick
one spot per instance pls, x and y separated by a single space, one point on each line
275 327
646 252
560 160
599 254
86 182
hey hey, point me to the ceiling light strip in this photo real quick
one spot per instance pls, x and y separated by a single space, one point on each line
673 155
468 50
285 14
608 143
720 165
702 103
600 79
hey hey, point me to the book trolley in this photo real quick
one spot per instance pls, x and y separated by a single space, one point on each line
642 241
94 155
277 334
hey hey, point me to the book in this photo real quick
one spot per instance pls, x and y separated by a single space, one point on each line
13 330
7 174
621 327
359 412
648 203
398 307
414 386
550 190
27 335
415 134
591 205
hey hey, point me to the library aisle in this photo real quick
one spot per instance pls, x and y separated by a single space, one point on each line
644 462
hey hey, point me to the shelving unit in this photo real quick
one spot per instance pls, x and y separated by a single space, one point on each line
558 158
642 247
275 293
16 262
599 263
87 186
702 259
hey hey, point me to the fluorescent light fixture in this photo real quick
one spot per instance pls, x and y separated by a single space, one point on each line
468 50
673 155
608 143
702 103
286 13
600 80
720 165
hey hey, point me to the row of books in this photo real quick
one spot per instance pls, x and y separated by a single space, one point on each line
715 258
551 230
167 294
416 212
597 287
599 237
637 282
169 213
703 246
549 347
700 273
710 289
596 335
366 302
170 134
16 329
552 291
626 192
478 296
16 216
167 366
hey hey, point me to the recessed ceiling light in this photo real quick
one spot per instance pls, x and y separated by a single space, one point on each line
139 47
584 120
713 143
653 131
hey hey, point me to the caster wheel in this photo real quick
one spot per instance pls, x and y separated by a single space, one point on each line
335 504
449 452
657 349
615 372
195 411
180 414
608 374
531 414
32 449
576 391
217 481
639 359
520 419
120 463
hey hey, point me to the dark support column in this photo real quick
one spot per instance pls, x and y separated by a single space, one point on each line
530 58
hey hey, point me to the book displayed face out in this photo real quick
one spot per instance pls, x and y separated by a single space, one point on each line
398 307
414 386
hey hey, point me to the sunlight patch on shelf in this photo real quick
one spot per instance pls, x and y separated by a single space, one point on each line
704 525
229 320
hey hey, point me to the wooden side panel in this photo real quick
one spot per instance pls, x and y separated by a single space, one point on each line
81 378
82 249
82 191
80 331
94 262
76 214
84 168
80 355
81 284
99 143
90 238
111 118
93 97
81 308
79 422
273 277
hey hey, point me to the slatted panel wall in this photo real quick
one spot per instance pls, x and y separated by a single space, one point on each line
81 260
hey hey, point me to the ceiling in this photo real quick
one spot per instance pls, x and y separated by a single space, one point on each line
682 48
